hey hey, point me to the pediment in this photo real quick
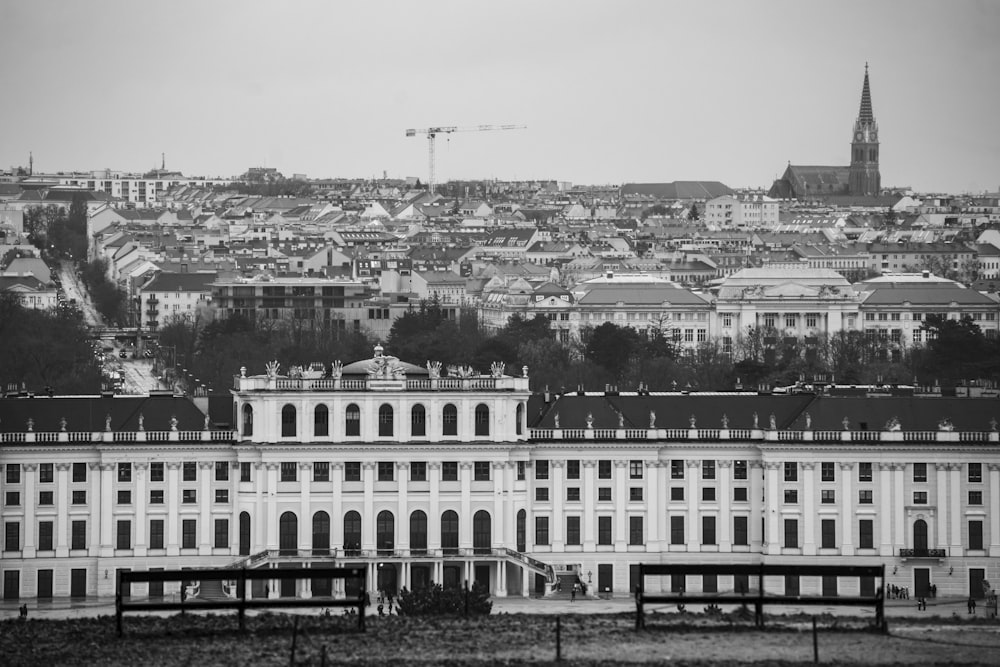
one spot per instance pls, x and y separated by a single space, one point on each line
791 289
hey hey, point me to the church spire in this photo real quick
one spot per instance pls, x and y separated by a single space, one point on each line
865 115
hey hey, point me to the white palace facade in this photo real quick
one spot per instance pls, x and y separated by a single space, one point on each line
424 474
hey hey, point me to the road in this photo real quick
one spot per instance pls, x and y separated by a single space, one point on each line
75 290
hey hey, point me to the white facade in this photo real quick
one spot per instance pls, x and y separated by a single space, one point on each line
752 212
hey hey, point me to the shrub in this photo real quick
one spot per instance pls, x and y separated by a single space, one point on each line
439 601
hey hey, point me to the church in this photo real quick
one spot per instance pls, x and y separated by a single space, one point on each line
858 182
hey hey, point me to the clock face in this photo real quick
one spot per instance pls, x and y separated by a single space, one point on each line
858 136
873 135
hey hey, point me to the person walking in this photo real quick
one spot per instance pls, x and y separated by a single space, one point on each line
572 594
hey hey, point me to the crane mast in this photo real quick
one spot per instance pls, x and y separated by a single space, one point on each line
432 133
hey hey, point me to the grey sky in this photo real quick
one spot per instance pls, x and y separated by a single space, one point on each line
610 91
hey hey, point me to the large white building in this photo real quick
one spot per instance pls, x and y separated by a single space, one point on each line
423 474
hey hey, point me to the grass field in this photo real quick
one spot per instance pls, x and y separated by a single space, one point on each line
506 639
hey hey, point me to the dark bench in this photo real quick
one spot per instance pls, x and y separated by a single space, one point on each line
758 596
241 602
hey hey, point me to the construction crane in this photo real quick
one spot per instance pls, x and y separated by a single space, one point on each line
432 133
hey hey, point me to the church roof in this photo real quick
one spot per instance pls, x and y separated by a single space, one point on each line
865 115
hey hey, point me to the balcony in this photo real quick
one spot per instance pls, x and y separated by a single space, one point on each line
936 554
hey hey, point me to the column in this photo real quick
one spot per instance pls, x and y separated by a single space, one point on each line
589 500
725 521
556 496
403 510
654 509
205 507
809 507
994 469
772 507
847 502
621 503
955 507
434 513
500 495
692 532
758 508
94 498
305 508
465 515
258 523
885 502
899 505
941 492
62 509
28 502
337 508
271 505
173 508
235 509
107 509
501 587
510 513
368 515
140 507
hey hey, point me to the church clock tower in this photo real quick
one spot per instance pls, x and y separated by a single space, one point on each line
864 176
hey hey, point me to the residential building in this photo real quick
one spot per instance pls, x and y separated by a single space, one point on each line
171 297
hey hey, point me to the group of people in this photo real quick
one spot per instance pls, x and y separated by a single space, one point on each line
895 592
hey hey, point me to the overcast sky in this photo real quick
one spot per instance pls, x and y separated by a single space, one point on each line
610 91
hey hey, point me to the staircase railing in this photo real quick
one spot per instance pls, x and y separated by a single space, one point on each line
533 563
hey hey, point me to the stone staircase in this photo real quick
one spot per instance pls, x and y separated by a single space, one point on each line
564 588
211 590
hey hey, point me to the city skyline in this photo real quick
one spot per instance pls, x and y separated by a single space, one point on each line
609 92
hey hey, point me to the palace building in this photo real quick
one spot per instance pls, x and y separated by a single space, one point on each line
426 474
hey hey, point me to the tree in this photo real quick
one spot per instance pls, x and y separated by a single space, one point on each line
611 347
693 214
957 350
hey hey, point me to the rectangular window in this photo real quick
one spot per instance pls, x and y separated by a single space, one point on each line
79 497
542 469
13 473
156 497
975 473
828 534
739 470
12 536
45 536
791 533
827 473
541 530
542 495
635 493
124 535
45 474
708 530
604 530
740 494
604 494
741 535
222 496
791 471
12 498
79 472
221 533
190 471
449 471
45 498
156 533
676 493
385 471
78 535
573 494
866 534
573 530
635 469
321 471
352 471
791 496
676 469
124 497
708 494
976 535
520 470
677 530
865 497
708 469
189 496
481 471
189 534
828 496
919 497
573 469
418 471
125 472
975 497
222 471
604 469
245 468
635 536
864 472
288 471
919 472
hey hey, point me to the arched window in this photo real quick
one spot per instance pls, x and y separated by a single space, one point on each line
321 421
520 418
482 537
522 519
244 533
288 533
449 532
247 419
418 533
482 419
385 533
919 535
385 420
352 420
288 421
418 421
449 420
321 534
352 533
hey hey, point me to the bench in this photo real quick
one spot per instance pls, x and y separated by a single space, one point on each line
758 596
240 602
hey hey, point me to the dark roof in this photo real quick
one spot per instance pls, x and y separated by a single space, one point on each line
678 189
917 294
88 413
181 282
